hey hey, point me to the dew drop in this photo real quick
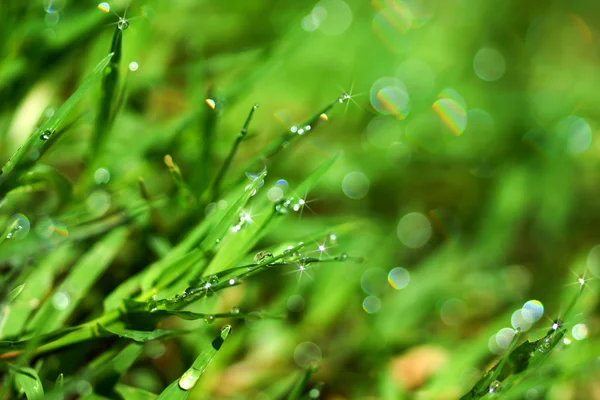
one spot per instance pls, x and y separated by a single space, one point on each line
213 280
343 98
209 319
18 227
104 7
46 135
234 310
343 256
323 117
545 345
189 378
495 387
123 24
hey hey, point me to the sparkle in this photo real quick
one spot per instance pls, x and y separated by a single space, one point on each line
321 248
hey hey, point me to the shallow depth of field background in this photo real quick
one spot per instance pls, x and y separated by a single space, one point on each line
470 152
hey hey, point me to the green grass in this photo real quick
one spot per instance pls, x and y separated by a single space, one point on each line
264 199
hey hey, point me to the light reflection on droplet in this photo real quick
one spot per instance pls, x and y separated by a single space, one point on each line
211 103
533 310
489 64
355 185
398 278
61 300
389 97
580 332
373 281
101 176
371 304
306 353
414 230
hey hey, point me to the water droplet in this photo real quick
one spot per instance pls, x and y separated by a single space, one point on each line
133 66
544 345
189 291
232 281
189 378
343 256
213 280
234 310
61 300
323 117
17 228
46 135
343 98
123 24
209 319
495 387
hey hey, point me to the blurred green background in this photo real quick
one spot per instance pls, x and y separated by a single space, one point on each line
469 155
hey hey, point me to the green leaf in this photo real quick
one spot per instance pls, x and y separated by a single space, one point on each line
180 389
79 282
133 393
28 381
142 336
34 147
15 293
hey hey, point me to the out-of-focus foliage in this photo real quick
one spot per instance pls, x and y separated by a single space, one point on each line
450 145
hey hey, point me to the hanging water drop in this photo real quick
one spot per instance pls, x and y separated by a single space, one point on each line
261 256
189 378
123 24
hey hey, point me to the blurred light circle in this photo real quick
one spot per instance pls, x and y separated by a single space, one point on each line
414 230
54 231
533 310
17 227
52 17
398 278
371 304
51 6
389 97
493 345
101 175
593 260
418 77
489 64
60 300
295 303
504 337
383 131
307 353
98 202
332 17
275 193
133 66
398 154
355 185
453 312
374 281
518 320
452 114
422 11
577 132
580 332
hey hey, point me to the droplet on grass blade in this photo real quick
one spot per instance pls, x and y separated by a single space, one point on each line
123 24
211 103
18 227
495 387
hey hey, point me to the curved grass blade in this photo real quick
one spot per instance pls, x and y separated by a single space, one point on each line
132 393
302 383
110 80
36 145
141 336
27 380
180 389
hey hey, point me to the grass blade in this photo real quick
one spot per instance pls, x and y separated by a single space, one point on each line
28 381
35 146
180 389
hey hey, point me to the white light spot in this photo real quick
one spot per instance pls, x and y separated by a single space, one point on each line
133 66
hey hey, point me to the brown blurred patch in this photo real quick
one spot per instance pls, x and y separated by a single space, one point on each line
412 369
